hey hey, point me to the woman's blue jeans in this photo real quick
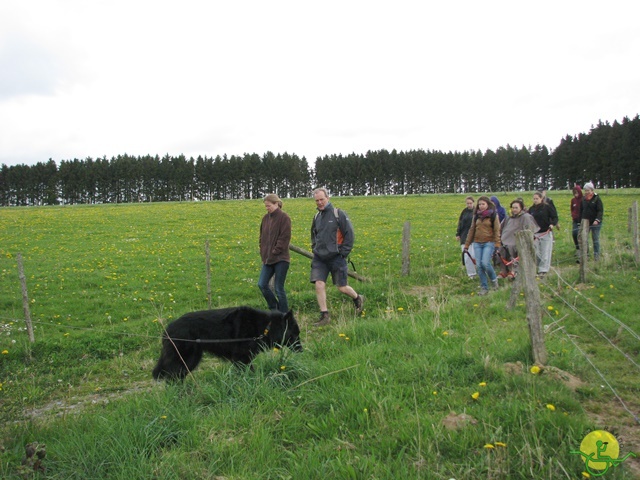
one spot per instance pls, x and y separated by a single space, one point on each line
484 254
595 235
277 301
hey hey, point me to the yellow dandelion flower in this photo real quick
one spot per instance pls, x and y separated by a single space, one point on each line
551 407
163 417
602 295
586 475
535 370
483 384
611 286
276 349
475 395
400 309
445 333
500 444
283 367
550 308
5 352
488 446
475 305
341 335
66 334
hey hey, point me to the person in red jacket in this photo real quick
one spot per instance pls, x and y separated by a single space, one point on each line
576 201
275 235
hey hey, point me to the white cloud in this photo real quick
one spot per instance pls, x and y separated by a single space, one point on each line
94 78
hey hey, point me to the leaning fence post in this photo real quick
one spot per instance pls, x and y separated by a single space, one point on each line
515 289
406 249
634 231
208 262
583 242
527 269
25 298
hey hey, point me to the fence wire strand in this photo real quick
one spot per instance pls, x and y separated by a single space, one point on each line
620 323
604 379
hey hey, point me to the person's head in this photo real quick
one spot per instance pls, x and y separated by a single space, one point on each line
272 202
517 207
495 201
538 197
484 203
470 202
588 188
577 191
321 196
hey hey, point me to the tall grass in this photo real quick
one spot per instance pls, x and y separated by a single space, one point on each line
368 398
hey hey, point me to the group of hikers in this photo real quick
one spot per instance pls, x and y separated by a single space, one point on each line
332 239
487 235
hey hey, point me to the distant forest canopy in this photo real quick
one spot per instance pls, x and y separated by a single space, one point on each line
609 155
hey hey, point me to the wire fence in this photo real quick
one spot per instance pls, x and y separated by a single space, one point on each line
579 314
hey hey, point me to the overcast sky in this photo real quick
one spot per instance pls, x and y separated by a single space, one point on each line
92 78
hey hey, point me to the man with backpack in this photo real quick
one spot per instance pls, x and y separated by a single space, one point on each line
332 239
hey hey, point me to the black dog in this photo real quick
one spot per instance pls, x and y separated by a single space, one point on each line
237 334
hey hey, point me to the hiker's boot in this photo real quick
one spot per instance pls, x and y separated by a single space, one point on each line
358 302
494 284
323 320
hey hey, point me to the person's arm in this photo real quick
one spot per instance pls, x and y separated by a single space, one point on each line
348 236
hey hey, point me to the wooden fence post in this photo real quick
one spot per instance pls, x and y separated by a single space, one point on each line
406 249
25 298
527 270
634 231
208 262
583 242
515 289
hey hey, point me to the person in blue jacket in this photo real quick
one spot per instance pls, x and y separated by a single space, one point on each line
332 239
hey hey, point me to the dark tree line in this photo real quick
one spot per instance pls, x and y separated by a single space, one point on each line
125 179
609 155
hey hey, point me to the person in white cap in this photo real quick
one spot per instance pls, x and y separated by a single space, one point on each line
592 210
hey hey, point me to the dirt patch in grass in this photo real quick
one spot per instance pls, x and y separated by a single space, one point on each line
77 404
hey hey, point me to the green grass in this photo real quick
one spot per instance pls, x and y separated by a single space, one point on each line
367 397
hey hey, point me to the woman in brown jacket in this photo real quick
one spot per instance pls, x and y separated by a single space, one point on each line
484 234
275 235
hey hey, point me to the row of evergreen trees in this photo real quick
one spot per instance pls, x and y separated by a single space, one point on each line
608 155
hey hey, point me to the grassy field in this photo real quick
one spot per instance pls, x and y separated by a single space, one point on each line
434 382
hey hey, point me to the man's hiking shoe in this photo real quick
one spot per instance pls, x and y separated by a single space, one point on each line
359 304
323 320
494 284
